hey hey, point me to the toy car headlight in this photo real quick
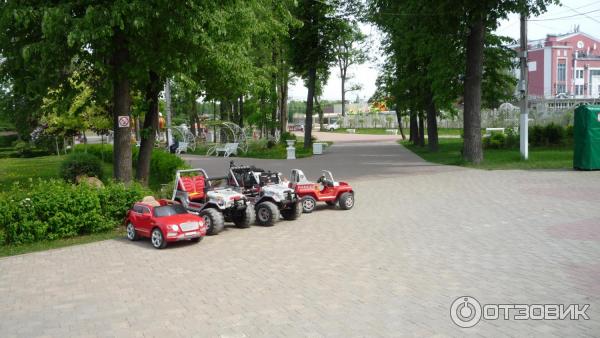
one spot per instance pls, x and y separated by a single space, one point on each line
174 227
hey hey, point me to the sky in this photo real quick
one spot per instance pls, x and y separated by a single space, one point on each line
559 19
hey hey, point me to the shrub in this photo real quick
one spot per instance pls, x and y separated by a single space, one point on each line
512 139
549 135
287 136
554 134
46 210
77 164
495 141
8 140
163 166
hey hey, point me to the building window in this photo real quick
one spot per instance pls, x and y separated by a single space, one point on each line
579 73
578 90
562 72
560 88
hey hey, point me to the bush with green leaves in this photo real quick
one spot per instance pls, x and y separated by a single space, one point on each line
78 164
549 135
287 136
494 141
52 209
162 164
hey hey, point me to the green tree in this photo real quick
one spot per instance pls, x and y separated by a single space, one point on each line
350 49
312 49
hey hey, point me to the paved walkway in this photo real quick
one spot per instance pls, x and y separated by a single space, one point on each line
419 236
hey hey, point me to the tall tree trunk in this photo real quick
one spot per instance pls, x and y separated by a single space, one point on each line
274 95
283 105
241 111
308 122
472 148
414 127
150 128
121 107
399 118
343 79
194 117
320 112
432 129
421 140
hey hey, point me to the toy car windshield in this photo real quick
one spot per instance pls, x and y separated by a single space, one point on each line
268 178
169 210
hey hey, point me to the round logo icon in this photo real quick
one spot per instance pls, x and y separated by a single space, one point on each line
465 311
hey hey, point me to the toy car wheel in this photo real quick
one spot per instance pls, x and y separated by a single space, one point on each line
267 214
244 218
293 213
347 200
132 235
157 239
308 204
330 129
214 221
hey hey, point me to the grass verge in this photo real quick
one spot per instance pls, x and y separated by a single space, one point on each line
45 167
539 158
11 250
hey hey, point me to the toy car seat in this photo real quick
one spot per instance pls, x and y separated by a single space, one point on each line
151 201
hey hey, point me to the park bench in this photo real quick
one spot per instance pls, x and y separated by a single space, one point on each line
227 149
489 131
181 148
391 131
351 131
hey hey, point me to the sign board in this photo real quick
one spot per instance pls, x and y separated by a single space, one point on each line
532 65
123 121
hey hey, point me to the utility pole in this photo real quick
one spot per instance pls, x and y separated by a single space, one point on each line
524 120
168 111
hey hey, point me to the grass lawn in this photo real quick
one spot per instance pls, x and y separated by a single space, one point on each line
539 158
381 131
11 250
277 152
22 169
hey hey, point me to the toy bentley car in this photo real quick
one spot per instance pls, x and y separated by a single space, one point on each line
326 189
163 221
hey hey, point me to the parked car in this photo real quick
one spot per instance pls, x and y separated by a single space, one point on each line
332 126
217 205
163 221
269 192
326 189
296 127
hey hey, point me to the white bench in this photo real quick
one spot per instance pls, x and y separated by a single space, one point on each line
391 131
351 131
489 131
227 149
182 148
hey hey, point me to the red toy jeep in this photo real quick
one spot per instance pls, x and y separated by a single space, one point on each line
325 190
163 221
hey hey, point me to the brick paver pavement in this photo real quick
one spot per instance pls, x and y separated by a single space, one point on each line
419 237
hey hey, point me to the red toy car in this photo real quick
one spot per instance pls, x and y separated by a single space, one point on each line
163 221
325 190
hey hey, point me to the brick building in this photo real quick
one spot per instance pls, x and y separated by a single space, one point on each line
564 66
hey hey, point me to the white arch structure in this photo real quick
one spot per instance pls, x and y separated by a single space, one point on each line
233 133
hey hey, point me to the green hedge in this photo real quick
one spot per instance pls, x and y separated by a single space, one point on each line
162 164
47 210
77 164
8 140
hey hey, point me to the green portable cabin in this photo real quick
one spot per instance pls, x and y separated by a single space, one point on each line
586 133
